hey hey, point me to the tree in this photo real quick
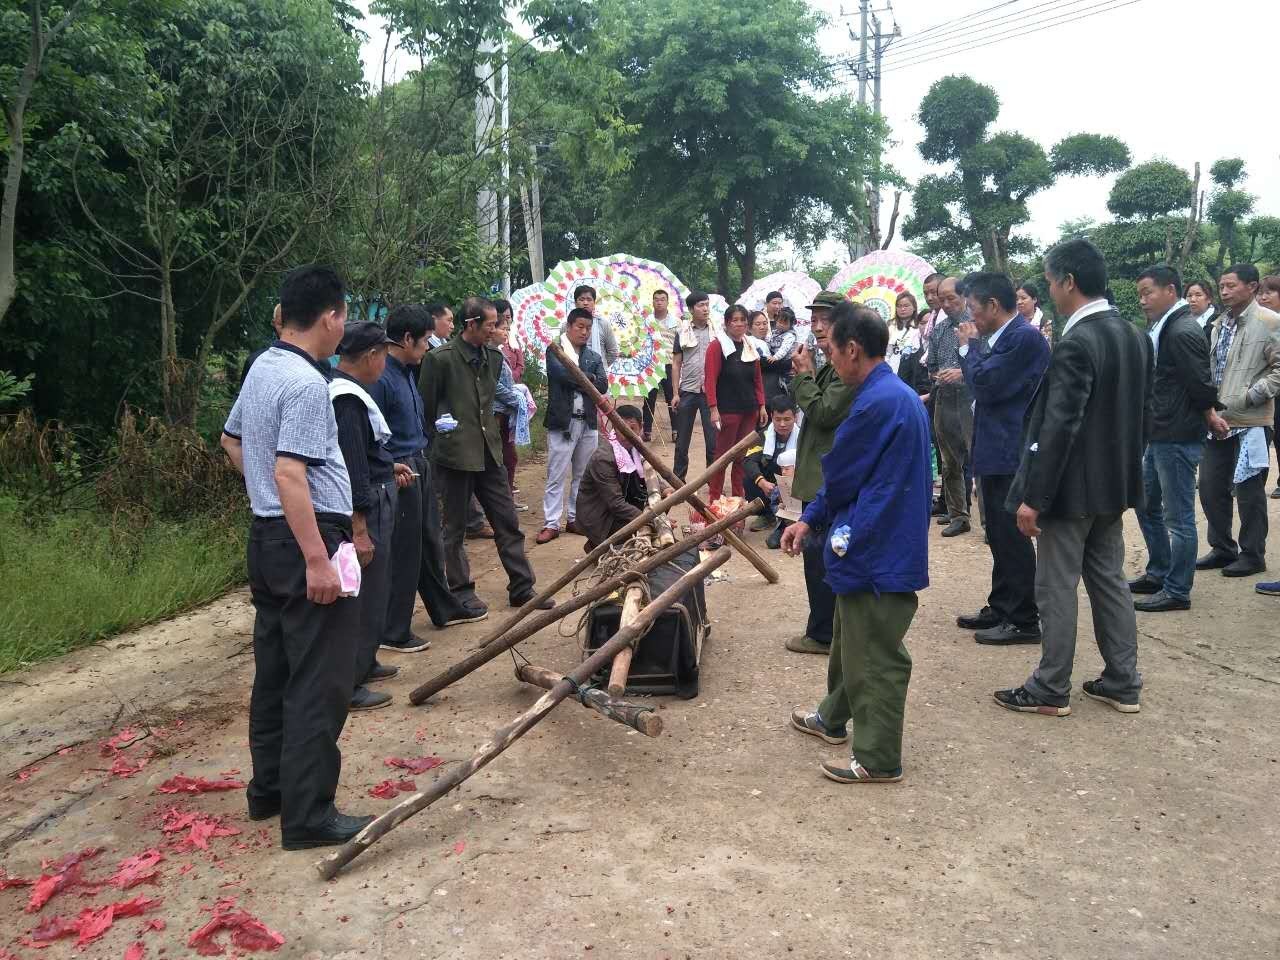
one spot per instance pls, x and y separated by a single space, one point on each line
41 33
731 140
241 159
984 196
1263 234
1145 198
1228 206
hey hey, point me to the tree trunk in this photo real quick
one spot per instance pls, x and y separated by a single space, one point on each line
720 234
893 220
9 208
747 265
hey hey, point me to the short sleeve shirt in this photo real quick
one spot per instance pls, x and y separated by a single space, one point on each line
284 410
693 360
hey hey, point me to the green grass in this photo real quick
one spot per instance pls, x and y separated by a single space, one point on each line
78 577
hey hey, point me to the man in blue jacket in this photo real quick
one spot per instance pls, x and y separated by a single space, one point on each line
873 512
1002 374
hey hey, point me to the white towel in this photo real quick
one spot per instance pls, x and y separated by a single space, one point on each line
727 346
340 387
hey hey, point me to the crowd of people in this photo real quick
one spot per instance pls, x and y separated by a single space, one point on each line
367 477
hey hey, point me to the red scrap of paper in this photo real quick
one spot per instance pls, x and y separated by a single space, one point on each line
90 924
70 859
24 775
137 869
247 931
115 744
135 951
7 881
459 846
415 765
121 767
390 789
51 884
201 827
184 784
156 924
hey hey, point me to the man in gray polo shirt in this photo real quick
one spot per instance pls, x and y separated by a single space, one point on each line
283 437
688 402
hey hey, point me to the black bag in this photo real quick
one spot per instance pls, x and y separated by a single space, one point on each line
666 658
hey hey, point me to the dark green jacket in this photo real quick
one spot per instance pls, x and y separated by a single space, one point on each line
461 379
825 401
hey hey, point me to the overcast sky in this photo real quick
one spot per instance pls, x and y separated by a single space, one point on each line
1168 77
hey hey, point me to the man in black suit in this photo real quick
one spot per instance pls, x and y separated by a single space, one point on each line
1003 373
1081 469
1183 413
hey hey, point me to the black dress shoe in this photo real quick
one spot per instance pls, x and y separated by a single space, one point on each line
1243 568
338 829
1161 603
1145 585
366 699
984 619
939 508
381 671
546 604
1007 634
943 519
264 810
1213 560
957 526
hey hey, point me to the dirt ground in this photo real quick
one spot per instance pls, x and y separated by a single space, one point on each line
1095 836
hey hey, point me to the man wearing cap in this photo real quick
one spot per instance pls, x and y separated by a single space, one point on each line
362 436
825 400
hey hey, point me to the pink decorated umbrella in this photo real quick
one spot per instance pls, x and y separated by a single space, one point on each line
624 288
876 280
797 289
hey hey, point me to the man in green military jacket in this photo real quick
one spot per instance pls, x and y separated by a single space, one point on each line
458 380
825 401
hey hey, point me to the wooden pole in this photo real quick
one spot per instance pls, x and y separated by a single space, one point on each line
664 533
655 510
482 656
505 736
589 388
644 719
632 604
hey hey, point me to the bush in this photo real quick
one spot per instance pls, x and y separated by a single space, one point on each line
39 463
167 472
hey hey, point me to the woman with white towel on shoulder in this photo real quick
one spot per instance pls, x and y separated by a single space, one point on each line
735 393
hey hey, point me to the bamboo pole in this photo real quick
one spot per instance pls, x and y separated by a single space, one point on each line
664 532
655 510
644 719
503 737
486 653
589 388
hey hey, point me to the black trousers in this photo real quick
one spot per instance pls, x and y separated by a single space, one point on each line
489 487
822 602
692 405
304 657
1013 558
375 579
417 557
1217 470
651 401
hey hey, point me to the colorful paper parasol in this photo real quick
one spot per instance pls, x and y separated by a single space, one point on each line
524 302
876 280
797 289
624 288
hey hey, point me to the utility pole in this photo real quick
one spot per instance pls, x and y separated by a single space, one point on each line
865 9
874 36
506 176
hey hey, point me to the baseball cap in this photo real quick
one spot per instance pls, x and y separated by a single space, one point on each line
362 335
826 300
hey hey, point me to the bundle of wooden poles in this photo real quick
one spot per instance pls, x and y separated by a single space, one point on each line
655 533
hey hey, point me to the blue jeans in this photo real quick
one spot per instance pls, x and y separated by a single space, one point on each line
1168 518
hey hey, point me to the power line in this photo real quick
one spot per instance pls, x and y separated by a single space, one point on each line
947 38
916 44
1085 15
